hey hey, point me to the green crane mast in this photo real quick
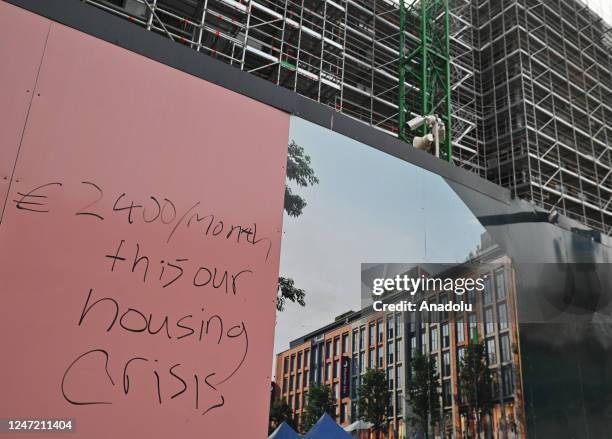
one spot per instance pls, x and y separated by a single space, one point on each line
424 66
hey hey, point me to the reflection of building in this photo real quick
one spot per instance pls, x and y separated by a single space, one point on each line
388 341
531 95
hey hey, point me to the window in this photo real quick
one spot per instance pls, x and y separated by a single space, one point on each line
398 351
390 353
471 297
362 362
436 362
327 371
306 379
491 350
507 380
372 334
286 365
460 331
285 386
381 356
336 346
307 359
446 393
423 341
399 403
298 380
362 338
500 284
400 325
489 327
505 348
460 355
292 367
354 345
444 299
345 343
355 368
433 339
502 314
446 364
336 369
487 294
291 383
473 325
297 402
354 388
413 345
398 376
299 360
381 331
328 347
445 336
372 359
390 378
390 327
343 413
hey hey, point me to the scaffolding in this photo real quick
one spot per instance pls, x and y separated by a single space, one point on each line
529 81
546 86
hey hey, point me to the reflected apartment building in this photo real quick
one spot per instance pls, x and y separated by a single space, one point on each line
339 354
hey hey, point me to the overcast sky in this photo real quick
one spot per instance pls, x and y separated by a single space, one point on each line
602 7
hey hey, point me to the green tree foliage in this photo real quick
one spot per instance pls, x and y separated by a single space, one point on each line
424 391
475 380
280 412
320 400
373 397
300 172
288 291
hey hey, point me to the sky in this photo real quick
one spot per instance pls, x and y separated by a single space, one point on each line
602 7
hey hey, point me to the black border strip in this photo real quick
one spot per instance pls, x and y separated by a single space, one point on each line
116 30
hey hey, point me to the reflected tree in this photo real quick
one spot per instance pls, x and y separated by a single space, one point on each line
299 172
373 399
320 400
280 412
424 392
476 382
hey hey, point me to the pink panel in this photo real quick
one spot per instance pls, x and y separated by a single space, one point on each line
22 37
159 196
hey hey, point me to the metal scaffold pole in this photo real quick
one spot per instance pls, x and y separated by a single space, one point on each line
402 74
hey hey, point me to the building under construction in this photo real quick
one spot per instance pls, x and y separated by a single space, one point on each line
524 87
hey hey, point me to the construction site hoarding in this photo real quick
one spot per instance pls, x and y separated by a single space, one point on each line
140 241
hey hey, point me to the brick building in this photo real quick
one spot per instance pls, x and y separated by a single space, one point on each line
367 339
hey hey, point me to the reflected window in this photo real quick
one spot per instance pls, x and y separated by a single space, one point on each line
500 284
502 313
505 348
446 364
445 336
491 350
433 338
489 326
460 331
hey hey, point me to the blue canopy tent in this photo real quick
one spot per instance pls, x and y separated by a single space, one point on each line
284 431
326 428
